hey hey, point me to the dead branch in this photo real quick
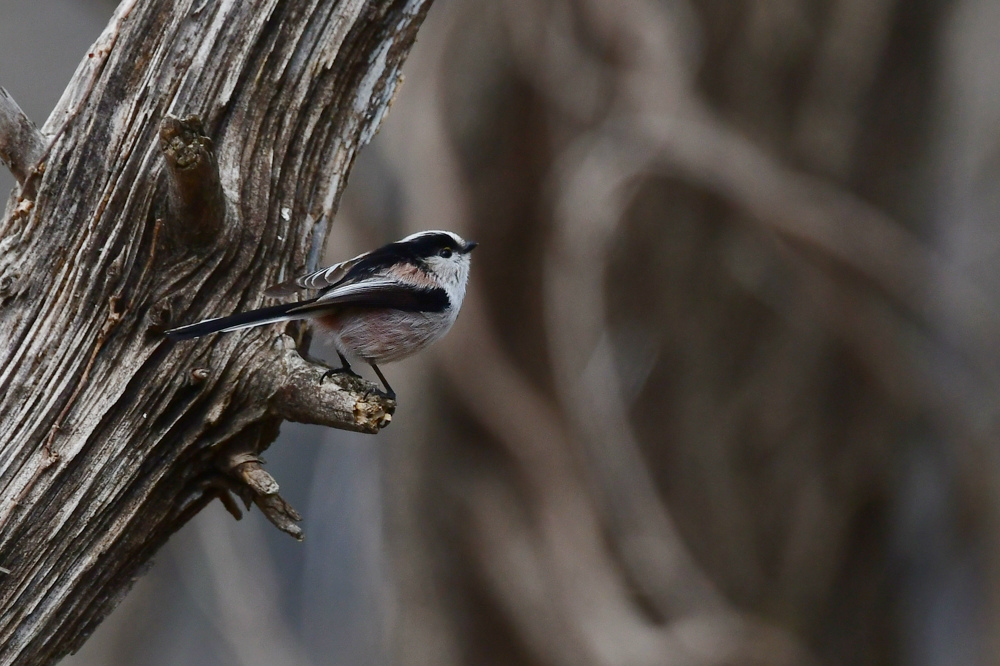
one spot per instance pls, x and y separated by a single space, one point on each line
262 490
306 392
113 437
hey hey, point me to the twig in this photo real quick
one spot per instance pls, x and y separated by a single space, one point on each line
263 491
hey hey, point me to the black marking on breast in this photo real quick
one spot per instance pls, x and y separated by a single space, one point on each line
434 299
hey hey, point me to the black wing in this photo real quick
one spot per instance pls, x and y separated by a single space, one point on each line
380 292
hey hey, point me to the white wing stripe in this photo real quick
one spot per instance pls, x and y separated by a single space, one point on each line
366 286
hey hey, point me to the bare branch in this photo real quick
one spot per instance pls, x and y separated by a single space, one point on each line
306 392
263 491
21 144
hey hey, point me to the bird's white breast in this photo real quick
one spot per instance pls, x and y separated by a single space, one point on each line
383 336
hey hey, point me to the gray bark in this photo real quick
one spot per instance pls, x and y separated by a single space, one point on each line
21 144
196 157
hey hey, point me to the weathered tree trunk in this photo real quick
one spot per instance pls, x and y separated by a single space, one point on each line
128 219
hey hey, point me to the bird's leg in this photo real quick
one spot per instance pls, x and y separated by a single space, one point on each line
344 369
388 389
345 365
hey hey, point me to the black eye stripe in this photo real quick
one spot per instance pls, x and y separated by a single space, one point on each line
415 252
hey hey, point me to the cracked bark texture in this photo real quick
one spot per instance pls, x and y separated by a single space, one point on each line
112 436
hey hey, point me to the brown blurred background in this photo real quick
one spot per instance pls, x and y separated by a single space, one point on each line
725 387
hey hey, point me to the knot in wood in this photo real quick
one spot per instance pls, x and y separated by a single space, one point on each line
159 316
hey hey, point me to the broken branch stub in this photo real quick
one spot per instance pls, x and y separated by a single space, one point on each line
262 490
21 144
197 206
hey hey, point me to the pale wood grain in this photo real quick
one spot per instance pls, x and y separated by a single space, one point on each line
112 436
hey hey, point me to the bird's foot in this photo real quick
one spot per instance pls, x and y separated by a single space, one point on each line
344 370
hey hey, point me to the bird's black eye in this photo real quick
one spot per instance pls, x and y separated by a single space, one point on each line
446 252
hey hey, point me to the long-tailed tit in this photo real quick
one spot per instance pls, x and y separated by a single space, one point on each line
380 306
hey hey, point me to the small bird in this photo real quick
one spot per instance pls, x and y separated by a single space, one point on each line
379 307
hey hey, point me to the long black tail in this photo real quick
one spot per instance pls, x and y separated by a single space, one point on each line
237 321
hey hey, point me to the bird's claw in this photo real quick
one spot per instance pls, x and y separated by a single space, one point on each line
338 371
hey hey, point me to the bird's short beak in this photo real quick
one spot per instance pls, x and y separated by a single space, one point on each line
469 247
